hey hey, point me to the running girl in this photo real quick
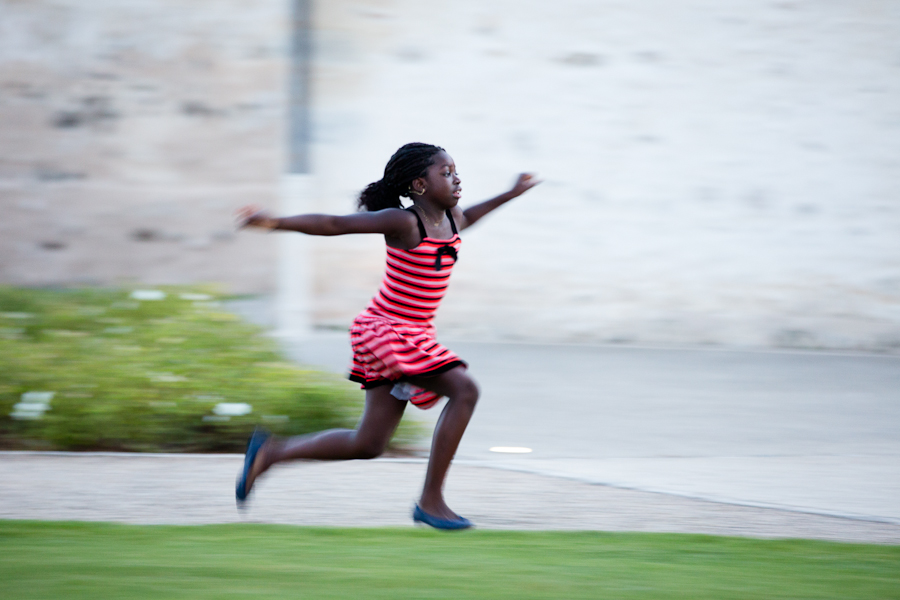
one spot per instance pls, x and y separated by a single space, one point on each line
395 355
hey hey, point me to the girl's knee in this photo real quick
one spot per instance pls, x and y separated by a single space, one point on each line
468 392
370 448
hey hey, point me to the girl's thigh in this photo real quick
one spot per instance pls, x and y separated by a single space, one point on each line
382 413
455 383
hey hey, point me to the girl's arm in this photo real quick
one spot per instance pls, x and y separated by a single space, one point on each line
390 222
525 182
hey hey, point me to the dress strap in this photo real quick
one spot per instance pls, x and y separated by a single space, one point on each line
421 224
452 222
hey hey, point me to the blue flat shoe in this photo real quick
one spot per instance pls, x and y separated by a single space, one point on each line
256 441
420 516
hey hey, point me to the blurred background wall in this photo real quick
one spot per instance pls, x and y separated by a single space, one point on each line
129 131
714 173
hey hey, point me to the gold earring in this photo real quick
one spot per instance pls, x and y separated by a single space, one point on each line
415 192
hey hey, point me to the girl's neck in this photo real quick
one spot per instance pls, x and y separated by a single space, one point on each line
434 216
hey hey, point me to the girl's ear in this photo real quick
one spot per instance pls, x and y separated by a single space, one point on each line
418 186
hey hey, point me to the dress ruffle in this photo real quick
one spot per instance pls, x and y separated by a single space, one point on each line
386 351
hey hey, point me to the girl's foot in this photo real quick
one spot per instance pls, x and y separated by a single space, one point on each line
252 464
261 462
420 516
437 508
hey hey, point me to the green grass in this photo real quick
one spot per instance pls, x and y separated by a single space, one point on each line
147 375
68 560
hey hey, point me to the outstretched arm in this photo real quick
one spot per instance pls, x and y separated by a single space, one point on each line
391 222
525 182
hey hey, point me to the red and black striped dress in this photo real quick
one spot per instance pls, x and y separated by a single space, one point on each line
394 337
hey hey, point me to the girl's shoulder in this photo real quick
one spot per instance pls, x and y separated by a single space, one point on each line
392 217
409 230
404 217
399 212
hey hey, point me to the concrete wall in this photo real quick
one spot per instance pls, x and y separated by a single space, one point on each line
129 131
715 173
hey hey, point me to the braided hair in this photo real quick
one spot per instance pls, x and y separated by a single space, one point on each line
410 162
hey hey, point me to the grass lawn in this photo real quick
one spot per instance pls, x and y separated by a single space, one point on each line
89 560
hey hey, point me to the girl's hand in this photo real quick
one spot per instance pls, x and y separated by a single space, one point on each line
252 216
525 182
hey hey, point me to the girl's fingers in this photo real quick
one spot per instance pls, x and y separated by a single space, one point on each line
247 211
527 181
247 215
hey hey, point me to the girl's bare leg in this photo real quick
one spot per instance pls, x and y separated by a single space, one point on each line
462 394
380 418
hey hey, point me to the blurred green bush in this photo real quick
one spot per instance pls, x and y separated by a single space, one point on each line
104 369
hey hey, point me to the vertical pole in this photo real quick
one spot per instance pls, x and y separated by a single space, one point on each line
301 49
293 301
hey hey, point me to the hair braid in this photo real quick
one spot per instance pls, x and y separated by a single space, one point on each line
410 162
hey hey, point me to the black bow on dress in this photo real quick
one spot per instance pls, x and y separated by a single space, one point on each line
449 251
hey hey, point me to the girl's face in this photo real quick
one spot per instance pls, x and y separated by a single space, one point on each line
442 183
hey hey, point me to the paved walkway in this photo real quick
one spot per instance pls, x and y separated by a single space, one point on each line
196 489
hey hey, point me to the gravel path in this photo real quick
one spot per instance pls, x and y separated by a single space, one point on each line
195 489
